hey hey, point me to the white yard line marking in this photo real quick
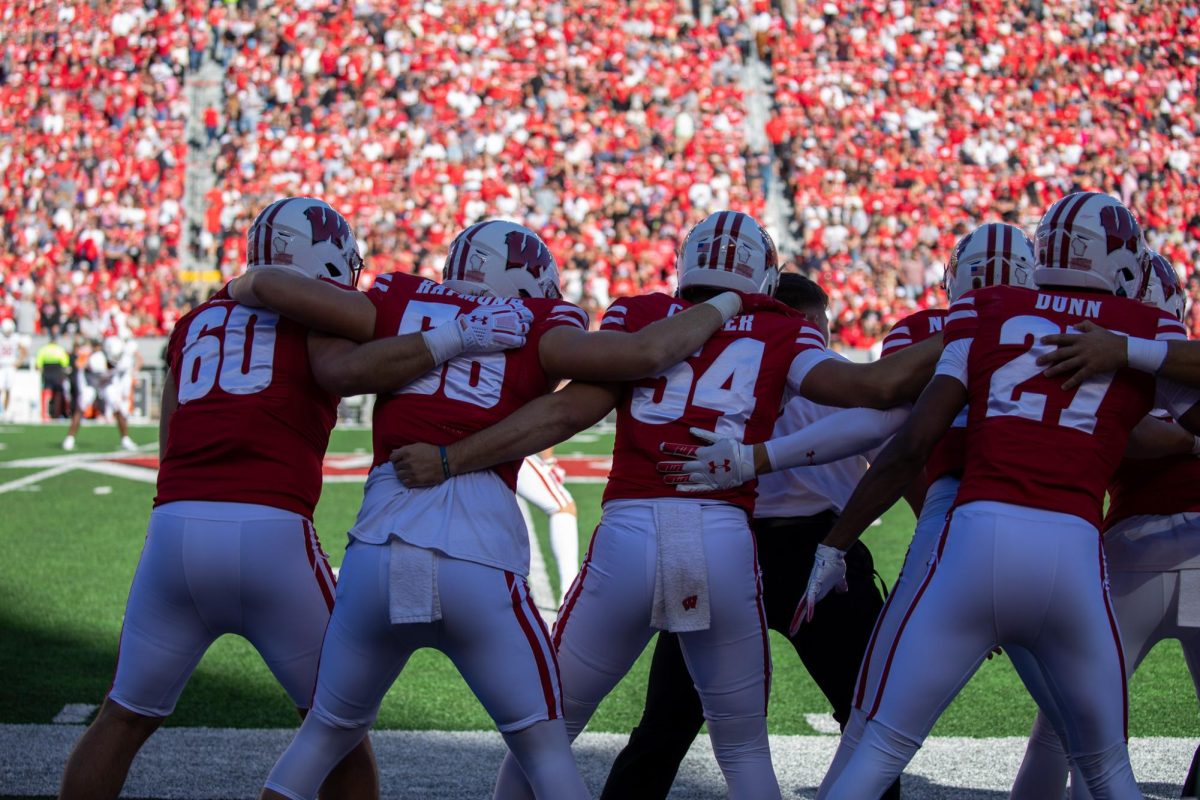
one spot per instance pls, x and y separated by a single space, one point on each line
116 470
37 477
823 723
73 459
539 578
74 714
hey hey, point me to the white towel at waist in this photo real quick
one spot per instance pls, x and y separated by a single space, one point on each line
681 601
412 584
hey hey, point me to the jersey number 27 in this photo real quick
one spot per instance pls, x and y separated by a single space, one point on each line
1006 396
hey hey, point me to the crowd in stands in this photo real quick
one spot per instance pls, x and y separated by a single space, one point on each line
610 126
91 165
900 126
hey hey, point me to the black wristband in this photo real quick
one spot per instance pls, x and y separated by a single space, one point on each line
445 462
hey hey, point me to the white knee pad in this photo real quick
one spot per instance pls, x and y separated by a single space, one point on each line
542 756
880 757
744 754
846 747
1108 773
321 744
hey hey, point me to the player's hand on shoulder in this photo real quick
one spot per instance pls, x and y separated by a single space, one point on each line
828 573
1078 356
487 329
418 465
722 463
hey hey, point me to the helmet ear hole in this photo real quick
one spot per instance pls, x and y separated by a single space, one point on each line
333 270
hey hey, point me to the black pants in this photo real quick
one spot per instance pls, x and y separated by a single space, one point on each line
831 647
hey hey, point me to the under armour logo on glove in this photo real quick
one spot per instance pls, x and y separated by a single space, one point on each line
491 328
722 464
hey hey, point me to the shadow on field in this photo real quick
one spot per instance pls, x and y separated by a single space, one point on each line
48 666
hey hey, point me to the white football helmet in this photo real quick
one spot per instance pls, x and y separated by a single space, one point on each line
1163 290
114 348
508 259
7 326
995 254
307 235
729 250
1090 240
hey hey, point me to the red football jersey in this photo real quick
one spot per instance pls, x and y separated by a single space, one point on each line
252 424
467 393
1031 443
914 329
949 454
1158 486
734 385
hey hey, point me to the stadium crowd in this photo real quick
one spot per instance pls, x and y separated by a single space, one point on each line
610 127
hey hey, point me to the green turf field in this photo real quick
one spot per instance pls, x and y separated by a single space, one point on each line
71 542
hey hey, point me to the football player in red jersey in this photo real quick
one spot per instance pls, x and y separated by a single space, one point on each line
1151 539
248 404
662 562
445 567
1020 561
994 254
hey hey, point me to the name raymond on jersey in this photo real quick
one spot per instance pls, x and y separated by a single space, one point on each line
429 287
1075 306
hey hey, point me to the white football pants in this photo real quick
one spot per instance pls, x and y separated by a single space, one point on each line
209 569
1015 577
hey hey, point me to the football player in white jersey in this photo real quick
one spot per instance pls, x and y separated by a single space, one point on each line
92 383
14 349
122 354
540 484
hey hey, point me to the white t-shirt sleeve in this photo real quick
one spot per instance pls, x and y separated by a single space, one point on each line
953 362
802 364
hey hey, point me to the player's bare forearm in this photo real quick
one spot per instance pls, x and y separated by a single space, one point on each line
167 406
536 426
882 384
344 368
1157 438
619 356
315 304
900 461
539 424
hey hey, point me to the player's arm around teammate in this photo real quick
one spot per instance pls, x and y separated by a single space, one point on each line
1094 350
346 357
552 418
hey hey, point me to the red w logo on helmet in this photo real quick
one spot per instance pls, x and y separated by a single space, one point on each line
526 252
1121 228
327 226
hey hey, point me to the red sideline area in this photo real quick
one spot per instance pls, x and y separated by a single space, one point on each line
339 464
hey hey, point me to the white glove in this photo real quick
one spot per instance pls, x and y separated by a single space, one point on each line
723 463
828 572
486 329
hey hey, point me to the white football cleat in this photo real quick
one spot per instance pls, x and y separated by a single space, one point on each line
69 443
128 444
